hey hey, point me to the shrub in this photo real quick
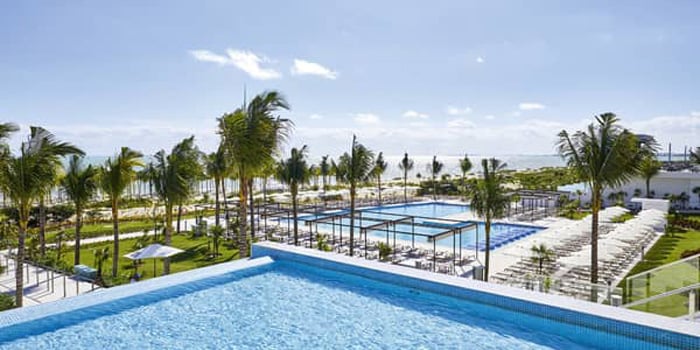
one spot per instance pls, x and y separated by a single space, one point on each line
6 302
689 252
384 251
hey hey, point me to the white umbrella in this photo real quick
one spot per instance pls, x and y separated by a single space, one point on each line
154 251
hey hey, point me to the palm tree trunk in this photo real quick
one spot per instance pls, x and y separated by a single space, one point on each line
294 213
487 230
115 230
78 224
217 207
405 187
19 262
179 216
379 189
42 227
242 216
168 235
352 219
647 183
252 209
595 208
434 189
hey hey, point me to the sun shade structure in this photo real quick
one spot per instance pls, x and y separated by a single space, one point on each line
153 251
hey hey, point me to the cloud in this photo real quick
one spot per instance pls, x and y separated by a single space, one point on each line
303 67
695 114
490 117
480 60
531 106
316 117
418 124
461 123
246 61
366 118
455 111
415 115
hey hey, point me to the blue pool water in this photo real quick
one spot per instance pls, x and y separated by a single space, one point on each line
288 305
500 233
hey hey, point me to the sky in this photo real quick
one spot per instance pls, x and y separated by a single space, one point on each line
439 77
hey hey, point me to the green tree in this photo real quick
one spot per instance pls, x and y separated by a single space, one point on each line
605 155
23 180
250 137
218 168
115 176
465 165
325 168
405 165
101 255
490 201
380 167
173 179
540 255
435 167
216 232
353 168
648 168
80 185
294 172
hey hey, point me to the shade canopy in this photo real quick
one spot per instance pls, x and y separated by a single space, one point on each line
154 251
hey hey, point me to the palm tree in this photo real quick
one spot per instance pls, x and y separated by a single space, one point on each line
80 184
648 168
174 179
540 255
217 167
101 255
605 155
325 168
489 201
251 136
294 172
352 168
23 180
379 168
405 165
115 176
435 167
696 190
465 165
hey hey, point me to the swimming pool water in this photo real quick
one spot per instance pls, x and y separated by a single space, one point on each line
296 306
500 233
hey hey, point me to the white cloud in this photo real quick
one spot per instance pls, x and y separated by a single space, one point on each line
366 118
480 59
451 110
246 61
530 106
490 117
303 67
316 117
461 123
415 115
418 124
695 114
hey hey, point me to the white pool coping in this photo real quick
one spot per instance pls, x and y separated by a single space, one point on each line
565 303
100 296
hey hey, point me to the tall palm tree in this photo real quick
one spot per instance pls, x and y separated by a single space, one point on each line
353 168
605 155
217 167
294 172
115 176
465 165
435 168
325 168
405 165
251 136
541 254
380 167
80 185
174 178
489 201
648 168
23 180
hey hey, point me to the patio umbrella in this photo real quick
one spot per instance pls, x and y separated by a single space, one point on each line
153 251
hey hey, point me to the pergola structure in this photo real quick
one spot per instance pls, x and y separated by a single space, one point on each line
534 199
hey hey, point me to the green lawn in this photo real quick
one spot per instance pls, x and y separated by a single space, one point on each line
197 254
622 218
667 249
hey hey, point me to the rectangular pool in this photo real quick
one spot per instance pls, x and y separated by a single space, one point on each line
301 299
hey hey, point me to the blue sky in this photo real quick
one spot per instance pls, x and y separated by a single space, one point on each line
443 77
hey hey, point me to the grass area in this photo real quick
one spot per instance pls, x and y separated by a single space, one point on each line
104 228
622 218
666 250
575 215
196 254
